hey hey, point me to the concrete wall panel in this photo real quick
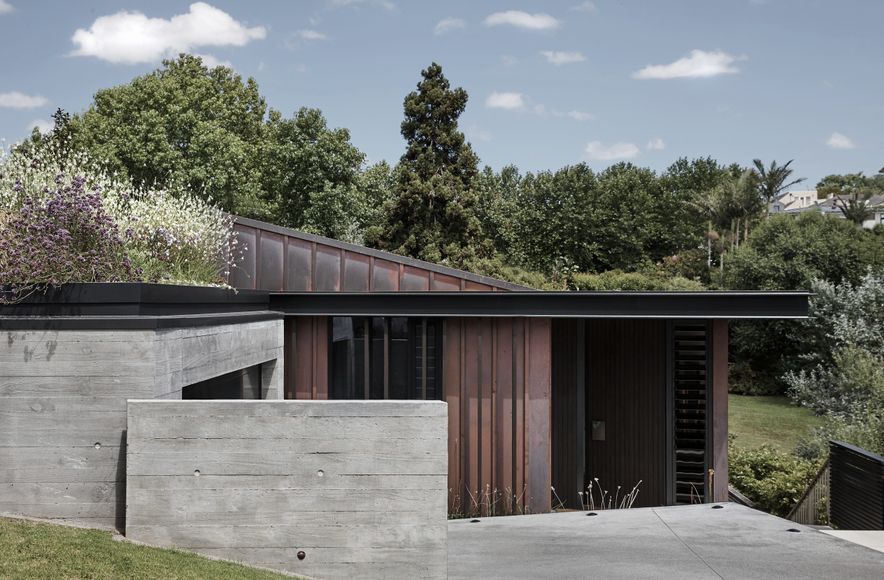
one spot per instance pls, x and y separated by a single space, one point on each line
63 400
359 487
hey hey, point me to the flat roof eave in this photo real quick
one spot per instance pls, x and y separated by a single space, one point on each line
654 305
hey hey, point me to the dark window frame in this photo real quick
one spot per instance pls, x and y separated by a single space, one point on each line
424 339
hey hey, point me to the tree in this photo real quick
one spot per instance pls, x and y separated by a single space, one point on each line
855 207
312 174
773 180
184 126
432 215
789 253
848 183
843 378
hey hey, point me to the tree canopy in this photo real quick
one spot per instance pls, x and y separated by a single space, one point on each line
432 214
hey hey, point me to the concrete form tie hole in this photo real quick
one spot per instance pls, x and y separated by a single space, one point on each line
301 555
320 473
196 472
98 445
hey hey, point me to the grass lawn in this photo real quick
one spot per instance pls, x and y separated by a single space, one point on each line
773 420
37 550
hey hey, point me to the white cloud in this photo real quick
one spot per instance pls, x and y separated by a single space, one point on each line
519 102
656 144
211 61
6 7
699 64
385 4
584 7
447 24
596 151
509 60
17 100
521 19
309 35
132 37
44 125
559 58
840 141
580 115
508 101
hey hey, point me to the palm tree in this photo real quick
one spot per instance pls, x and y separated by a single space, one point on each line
772 180
855 206
729 208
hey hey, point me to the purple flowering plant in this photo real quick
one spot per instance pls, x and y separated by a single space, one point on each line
65 237
64 219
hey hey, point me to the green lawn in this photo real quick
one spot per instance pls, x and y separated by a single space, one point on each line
36 550
773 420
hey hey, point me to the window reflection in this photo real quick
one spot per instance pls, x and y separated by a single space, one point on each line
385 358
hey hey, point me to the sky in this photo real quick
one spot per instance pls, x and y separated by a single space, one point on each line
550 83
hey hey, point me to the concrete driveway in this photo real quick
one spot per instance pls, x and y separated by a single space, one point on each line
682 542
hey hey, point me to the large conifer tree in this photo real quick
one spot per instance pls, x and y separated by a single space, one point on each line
432 214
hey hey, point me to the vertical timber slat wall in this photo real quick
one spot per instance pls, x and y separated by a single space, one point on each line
569 409
496 372
627 402
497 385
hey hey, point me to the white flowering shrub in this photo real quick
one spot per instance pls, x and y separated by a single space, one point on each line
845 338
167 236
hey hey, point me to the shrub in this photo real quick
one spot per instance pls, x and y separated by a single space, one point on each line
845 339
161 236
175 238
65 237
774 480
634 281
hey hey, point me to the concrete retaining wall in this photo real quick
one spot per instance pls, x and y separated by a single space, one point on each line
63 406
359 487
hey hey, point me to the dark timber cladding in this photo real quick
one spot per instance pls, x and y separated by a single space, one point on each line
626 407
495 372
543 388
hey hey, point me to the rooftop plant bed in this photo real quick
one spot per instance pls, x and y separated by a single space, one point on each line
63 219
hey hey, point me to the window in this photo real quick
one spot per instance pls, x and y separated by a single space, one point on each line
385 358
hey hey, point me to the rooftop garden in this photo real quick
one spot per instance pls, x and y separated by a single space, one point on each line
64 218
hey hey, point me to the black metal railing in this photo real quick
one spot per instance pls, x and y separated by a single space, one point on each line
856 488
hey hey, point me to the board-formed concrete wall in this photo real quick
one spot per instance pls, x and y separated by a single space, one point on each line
63 406
360 487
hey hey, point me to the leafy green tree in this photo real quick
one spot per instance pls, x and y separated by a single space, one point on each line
774 180
551 213
786 253
183 126
433 213
849 183
312 173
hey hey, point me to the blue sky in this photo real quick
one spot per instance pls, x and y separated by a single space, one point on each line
550 83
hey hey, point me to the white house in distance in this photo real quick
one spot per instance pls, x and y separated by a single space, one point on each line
795 202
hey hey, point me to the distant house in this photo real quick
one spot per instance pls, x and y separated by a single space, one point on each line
796 202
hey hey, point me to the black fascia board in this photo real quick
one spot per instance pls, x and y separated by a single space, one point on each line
660 305
135 299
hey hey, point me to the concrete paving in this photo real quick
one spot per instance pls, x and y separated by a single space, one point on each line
873 539
683 542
